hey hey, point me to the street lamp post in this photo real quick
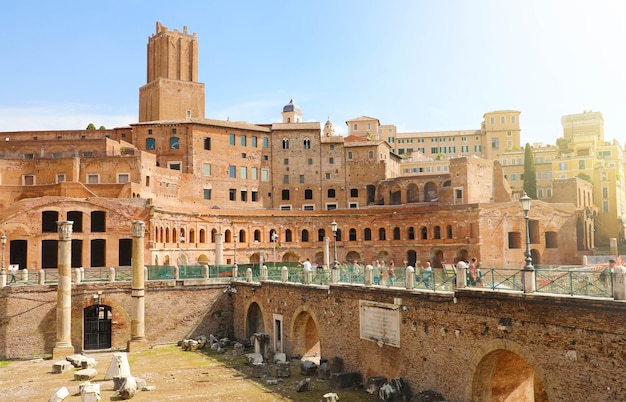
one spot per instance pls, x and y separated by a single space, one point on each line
528 272
274 238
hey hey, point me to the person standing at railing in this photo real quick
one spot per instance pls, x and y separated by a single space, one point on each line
604 276
473 272
391 273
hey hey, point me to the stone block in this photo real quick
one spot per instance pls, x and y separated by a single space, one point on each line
90 392
303 386
348 379
118 367
128 388
253 358
88 362
395 390
323 372
76 360
279 357
308 368
60 395
238 349
283 369
85 374
374 383
61 367
260 370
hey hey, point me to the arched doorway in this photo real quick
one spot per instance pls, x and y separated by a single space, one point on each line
290 256
534 254
503 375
411 258
97 327
353 257
430 191
305 337
436 258
255 320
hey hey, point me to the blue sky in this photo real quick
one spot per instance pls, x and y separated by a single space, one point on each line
421 65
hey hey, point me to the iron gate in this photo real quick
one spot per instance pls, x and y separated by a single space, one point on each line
97 327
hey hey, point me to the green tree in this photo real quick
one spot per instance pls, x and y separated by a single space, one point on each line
102 128
530 176
91 126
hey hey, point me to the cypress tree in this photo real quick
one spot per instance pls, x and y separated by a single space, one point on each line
530 176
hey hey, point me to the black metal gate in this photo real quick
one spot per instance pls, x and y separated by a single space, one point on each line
97 327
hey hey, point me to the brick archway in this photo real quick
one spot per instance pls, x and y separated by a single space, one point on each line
504 371
254 320
305 338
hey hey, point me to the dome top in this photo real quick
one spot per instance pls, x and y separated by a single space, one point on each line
291 107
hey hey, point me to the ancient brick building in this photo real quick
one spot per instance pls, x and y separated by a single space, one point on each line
197 182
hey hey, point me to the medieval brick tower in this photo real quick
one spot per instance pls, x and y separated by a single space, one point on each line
172 91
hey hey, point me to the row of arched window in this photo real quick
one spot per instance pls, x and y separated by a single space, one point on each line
436 232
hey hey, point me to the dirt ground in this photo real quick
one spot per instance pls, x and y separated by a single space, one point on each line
177 376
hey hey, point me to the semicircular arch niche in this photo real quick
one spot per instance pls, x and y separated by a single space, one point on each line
254 320
305 340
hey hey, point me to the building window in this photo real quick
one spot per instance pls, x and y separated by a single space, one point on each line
396 233
254 196
495 143
308 207
605 206
308 194
253 141
411 233
581 164
433 150
382 234
331 193
307 143
232 172
367 234
123 178
354 192
93 178
254 173
206 169
562 166
231 139
349 154
285 195
286 179
352 234
266 142
243 172
150 132
174 165
331 206
150 144
477 148
371 154
327 176
29 180
331 160
332 147
301 178
232 194
321 233
353 205
207 143
605 192
285 143
174 143
243 140
285 161
310 161
244 195
265 175
502 120
60 177
207 193
492 120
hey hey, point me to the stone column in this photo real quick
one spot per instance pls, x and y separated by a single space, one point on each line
63 346
619 283
137 327
409 277
528 280
327 252
369 275
219 249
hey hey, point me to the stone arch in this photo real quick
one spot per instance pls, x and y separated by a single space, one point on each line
203 259
305 338
430 191
290 256
254 320
319 258
395 194
461 254
436 258
383 255
412 193
503 370
353 257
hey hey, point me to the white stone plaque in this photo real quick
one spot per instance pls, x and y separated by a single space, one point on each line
380 322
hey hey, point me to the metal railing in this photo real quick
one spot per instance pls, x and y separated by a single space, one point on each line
568 280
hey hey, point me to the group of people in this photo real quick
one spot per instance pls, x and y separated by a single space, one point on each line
473 273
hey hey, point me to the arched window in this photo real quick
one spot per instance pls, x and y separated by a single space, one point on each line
449 231
202 236
321 233
174 143
352 234
382 234
305 236
213 234
367 234
285 143
242 236
338 234
424 233
396 233
307 143
257 235
288 236
411 233
371 154
150 144
437 232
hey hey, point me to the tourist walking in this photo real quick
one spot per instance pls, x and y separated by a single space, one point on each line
12 269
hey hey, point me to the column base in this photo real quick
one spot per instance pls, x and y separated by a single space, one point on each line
137 345
61 352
